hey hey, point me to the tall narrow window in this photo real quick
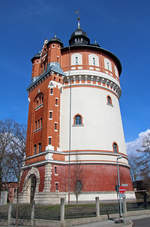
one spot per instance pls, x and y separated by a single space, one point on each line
41 122
115 148
93 61
55 126
56 101
51 91
40 147
50 114
56 186
35 149
49 140
78 120
35 125
109 100
77 60
55 170
108 65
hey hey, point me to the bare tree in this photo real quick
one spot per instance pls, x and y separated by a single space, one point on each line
12 152
143 161
134 170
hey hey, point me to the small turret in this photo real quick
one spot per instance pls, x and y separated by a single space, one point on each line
36 66
54 50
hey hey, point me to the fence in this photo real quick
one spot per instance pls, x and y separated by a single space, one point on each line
32 214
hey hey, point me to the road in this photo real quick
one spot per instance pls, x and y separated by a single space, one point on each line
145 222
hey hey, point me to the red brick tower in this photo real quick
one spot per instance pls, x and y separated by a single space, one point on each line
74 134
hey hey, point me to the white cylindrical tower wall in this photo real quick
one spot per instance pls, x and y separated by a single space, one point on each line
102 125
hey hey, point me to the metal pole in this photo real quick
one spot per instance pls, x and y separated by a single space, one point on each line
70 126
118 174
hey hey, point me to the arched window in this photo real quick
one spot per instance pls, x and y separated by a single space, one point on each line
39 101
107 64
93 59
78 119
109 100
115 148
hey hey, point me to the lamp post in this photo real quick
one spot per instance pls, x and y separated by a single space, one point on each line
118 176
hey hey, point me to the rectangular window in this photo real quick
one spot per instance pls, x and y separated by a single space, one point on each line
41 122
56 102
56 186
35 125
40 147
50 114
76 60
49 140
55 169
51 91
55 126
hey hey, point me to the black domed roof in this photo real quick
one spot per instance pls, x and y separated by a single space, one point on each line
55 39
79 37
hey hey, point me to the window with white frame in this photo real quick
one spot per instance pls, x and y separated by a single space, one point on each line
93 59
116 71
76 59
50 115
107 64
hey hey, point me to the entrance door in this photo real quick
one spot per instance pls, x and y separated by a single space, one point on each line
33 187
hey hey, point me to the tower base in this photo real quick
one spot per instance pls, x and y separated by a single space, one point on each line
85 197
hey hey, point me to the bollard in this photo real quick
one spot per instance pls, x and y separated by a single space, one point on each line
124 209
62 209
124 205
97 206
32 213
9 214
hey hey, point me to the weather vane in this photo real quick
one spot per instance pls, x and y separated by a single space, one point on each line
78 13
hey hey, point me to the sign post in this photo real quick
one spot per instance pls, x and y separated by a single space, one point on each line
122 189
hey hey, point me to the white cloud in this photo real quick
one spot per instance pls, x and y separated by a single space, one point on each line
132 146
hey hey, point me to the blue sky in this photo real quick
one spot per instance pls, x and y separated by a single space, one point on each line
119 26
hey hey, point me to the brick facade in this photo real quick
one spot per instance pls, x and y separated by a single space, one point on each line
56 70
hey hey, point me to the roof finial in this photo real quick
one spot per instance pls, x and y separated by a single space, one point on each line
77 12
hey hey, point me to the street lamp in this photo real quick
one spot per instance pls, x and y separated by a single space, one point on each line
118 176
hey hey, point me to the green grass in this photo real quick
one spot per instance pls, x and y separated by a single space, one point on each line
52 212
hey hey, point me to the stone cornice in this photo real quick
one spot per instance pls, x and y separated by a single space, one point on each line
73 163
96 81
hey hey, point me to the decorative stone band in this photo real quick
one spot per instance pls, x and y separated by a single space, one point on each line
82 157
92 78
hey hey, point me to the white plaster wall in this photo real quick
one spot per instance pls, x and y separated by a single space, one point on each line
102 124
103 196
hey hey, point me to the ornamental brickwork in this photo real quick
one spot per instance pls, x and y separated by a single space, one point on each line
74 122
